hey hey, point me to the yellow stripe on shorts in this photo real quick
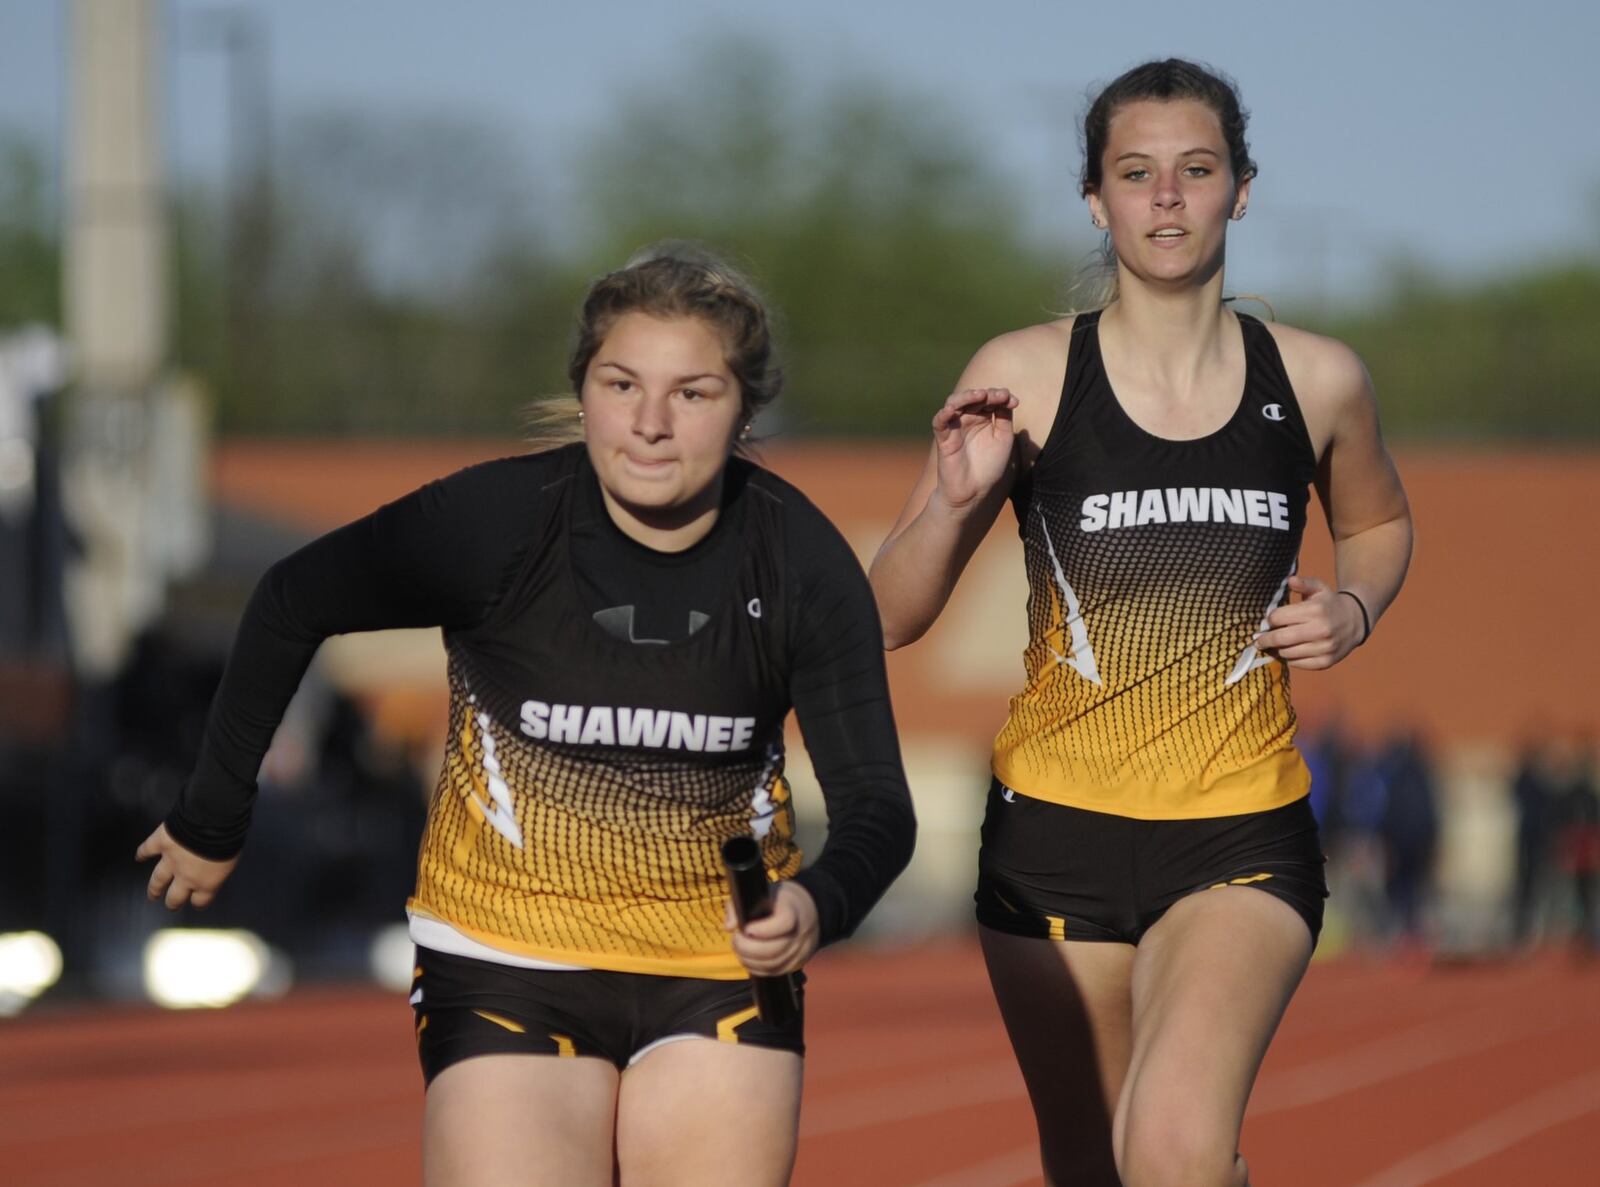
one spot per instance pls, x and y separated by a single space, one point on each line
1242 881
498 1020
726 1026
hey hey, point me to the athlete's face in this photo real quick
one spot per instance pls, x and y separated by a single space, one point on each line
1167 190
661 409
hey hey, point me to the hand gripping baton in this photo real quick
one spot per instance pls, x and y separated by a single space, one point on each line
751 891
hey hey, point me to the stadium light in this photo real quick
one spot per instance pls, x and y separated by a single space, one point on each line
391 957
30 962
189 967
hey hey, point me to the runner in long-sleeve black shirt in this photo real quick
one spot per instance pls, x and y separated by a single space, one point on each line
628 622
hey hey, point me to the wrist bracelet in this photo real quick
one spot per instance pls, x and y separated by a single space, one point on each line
1366 619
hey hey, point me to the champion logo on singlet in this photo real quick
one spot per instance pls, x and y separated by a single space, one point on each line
660 729
1273 411
1185 504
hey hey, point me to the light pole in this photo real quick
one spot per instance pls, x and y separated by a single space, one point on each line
241 34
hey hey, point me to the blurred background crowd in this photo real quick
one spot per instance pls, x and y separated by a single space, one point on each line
235 311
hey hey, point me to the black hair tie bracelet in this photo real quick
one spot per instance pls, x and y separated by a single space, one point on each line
1366 619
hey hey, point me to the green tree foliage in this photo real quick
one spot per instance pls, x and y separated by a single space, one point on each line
411 290
1516 357
30 268
414 281
386 308
874 224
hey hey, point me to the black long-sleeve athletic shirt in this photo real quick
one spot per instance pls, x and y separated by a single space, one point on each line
615 712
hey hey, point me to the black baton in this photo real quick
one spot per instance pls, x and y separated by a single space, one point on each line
751 891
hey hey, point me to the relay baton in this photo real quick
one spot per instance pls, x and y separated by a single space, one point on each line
751 891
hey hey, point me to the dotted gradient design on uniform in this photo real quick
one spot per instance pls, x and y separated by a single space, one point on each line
600 856
1167 612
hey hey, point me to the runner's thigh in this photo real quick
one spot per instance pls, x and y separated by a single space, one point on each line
520 1121
696 1112
1211 980
1066 1007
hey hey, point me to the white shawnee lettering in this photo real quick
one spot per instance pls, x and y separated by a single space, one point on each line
603 725
719 730
1227 504
566 722
536 719
642 727
1255 508
1188 503
1185 504
688 733
1150 508
1280 510
1122 507
599 728
1094 513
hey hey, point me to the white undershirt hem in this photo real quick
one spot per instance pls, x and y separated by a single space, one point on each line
441 937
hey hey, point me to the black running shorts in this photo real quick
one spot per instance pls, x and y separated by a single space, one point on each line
1063 873
466 1007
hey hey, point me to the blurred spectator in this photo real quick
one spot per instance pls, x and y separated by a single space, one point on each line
1410 828
1329 756
1533 793
1356 864
1578 844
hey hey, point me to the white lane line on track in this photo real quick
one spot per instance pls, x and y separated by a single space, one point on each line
1525 1119
1552 1107
1433 1042
1385 1059
1006 1170
902 1100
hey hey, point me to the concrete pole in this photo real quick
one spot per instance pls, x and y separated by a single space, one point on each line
116 322
116 241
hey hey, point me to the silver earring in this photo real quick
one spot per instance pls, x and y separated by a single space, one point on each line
1240 214
580 416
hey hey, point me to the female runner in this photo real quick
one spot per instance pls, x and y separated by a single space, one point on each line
628 619
1150 884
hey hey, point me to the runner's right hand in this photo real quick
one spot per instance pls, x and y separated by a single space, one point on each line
181 876
975 439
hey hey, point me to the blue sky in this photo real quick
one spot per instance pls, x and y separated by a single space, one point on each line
1462 135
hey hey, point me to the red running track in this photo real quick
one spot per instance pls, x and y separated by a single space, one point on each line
1383 1075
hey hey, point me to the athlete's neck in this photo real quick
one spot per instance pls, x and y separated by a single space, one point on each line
1171 336
667 529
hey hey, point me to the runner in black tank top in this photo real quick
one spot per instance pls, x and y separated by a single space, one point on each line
628 621
1151 565
1146 787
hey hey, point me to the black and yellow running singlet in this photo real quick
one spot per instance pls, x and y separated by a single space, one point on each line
1151 564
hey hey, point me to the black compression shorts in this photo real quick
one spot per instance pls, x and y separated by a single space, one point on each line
466 1007
1063 873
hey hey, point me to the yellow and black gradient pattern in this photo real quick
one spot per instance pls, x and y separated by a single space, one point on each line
1168 610
619 865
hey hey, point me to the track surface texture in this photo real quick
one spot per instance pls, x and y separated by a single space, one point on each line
1384 1074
